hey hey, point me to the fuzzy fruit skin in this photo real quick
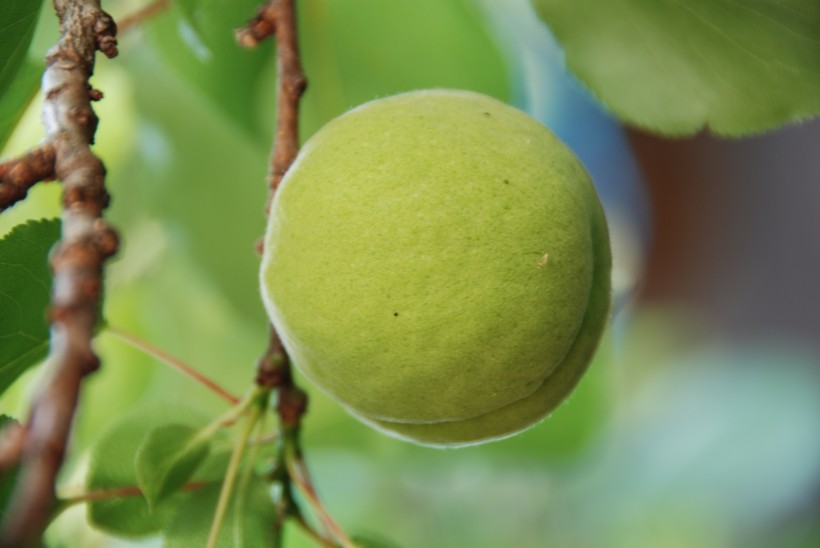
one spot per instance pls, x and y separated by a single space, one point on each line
439 263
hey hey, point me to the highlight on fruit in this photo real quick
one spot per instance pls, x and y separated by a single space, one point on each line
439 263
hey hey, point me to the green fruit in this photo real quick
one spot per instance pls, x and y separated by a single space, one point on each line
439 263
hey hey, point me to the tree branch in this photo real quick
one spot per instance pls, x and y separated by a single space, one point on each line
278 17
19 175
12 440
77 260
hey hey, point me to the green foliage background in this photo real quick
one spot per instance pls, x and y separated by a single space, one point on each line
668 441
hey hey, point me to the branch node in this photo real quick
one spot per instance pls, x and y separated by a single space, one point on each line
273 368
291 405
107 241
262 26
105 34
297 84
19 175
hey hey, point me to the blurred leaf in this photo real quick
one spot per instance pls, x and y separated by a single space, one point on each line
25 288
195 39
188 9
248 522
720 433
167 459
8 477
206 179
565 433
372 541
18 18
674 67
16 98
357 51
112 466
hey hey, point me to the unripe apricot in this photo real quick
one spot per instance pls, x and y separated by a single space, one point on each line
438 262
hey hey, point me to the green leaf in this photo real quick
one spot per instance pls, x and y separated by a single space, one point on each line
8 477
15 100
196 40
248 523
25 288
166 460
456 50
112 466
734 66
18 18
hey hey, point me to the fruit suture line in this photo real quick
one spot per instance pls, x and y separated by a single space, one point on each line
77 260
539 281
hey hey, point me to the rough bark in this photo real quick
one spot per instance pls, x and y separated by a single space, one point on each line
77 259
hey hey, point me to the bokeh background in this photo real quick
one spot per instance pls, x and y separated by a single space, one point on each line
698 424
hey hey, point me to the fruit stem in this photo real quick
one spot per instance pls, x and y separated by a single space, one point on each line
247 472
274 368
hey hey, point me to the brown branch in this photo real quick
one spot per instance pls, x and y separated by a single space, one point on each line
175 363
19 175
12 440
279 17
262 26
77 260
274 369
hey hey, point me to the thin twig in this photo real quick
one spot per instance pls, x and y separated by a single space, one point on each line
278 17
77 259
301 477
247 474
313 533
19 175
132 21
119 493
173 362
233 471
265 439
230 417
